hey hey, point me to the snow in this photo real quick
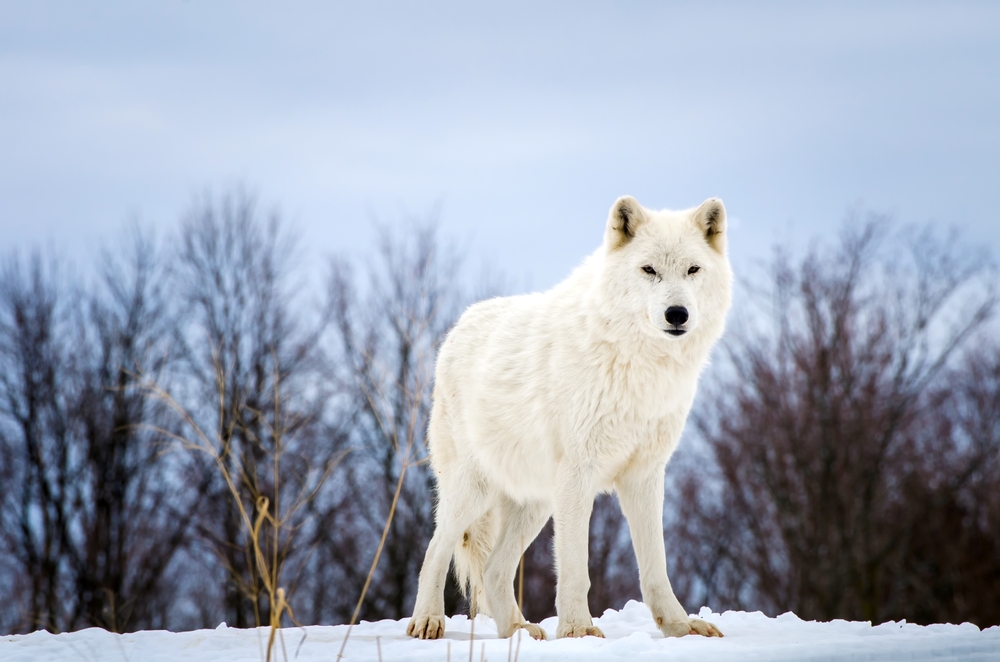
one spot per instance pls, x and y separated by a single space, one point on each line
631 635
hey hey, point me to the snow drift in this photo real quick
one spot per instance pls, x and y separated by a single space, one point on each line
631 635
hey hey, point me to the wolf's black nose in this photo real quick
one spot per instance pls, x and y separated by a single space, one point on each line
676 315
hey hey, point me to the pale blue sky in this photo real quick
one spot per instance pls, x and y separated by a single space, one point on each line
524 121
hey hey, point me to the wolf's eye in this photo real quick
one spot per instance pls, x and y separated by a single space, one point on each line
649 270
694 269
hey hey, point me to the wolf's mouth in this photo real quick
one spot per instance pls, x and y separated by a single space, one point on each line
676 332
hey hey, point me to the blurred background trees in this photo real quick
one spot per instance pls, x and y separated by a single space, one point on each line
249 367
850 439
843 460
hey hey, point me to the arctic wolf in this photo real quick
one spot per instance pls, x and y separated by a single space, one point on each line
544 400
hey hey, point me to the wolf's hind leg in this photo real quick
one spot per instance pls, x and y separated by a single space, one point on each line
457 509
520 524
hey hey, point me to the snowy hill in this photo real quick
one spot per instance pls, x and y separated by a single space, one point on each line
630 633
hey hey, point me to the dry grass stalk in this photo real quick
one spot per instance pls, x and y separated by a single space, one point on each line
217 448
378 554
375 397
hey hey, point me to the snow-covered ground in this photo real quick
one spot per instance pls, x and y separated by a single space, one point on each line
630 633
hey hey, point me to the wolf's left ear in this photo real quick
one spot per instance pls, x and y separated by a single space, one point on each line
625 217
710 218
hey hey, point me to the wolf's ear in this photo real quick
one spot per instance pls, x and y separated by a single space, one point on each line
710 218
625 217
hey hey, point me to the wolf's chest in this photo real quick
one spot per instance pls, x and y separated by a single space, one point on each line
636 390
643 407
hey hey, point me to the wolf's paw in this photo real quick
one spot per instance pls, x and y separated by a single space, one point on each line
426 627
580 631
533 629
690 626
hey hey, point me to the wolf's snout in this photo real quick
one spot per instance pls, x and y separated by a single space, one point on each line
676 315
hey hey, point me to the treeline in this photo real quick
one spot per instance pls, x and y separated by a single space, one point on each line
137 405
851 438
193 427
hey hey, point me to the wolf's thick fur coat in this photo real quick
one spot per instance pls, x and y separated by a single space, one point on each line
542 401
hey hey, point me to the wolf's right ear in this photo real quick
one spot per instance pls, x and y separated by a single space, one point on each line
625 217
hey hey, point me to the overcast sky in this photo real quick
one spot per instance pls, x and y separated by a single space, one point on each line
522 122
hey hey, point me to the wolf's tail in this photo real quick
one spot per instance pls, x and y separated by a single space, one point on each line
470 557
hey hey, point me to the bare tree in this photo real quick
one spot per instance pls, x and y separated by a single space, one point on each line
386 339
830 451
251 374
90 519
130 521
35 457
947 565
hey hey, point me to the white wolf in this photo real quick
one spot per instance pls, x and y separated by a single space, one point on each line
544 400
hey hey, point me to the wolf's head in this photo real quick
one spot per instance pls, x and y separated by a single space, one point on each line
667 271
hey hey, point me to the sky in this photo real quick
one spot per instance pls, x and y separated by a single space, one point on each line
518 124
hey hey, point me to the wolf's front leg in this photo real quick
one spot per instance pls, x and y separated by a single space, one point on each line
574 503
640 493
